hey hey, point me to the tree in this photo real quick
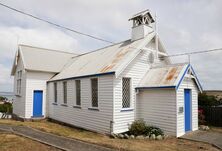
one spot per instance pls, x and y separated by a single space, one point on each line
2 98
207 100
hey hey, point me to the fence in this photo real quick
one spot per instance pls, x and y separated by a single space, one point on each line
213 115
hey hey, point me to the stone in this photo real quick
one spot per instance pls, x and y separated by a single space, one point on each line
153 137
140 137
126 136
132 136
147 137
159 137
165 136
204 128
112 135
121 136
207 128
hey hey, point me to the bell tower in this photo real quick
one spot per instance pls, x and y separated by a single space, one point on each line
142 24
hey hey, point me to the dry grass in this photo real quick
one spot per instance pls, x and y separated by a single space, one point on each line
216 129
170 144
10 142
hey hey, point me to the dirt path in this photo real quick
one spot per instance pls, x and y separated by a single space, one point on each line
52 140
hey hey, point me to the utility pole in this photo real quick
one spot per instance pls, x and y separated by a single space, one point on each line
156 36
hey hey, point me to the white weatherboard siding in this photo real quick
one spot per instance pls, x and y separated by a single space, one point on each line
35 81
94 120
157 107
19 103
135 71
187 84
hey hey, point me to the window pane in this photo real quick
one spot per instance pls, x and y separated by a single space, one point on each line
55 92
18 87
126 92
65 92
94 85
78 92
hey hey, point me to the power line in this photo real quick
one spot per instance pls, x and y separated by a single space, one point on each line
94 37
195 52
54 24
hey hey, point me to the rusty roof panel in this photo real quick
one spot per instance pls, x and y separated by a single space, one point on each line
115 60
104 60
162 76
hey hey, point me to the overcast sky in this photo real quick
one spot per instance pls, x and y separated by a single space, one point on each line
183 26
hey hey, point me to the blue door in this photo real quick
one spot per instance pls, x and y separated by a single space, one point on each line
37 104
187 104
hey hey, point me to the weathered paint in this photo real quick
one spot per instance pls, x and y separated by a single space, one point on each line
163 76
171 74
118 57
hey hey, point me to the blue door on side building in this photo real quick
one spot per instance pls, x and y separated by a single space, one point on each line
37 103
187 113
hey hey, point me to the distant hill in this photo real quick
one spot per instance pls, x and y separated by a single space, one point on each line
9 95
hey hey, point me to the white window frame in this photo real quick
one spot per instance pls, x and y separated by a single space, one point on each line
19 82
130 95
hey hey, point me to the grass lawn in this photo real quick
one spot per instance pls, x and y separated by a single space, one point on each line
10 142
169 144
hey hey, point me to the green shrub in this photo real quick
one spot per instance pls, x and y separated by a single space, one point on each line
153 130
2 98
6 108
138 127
208 100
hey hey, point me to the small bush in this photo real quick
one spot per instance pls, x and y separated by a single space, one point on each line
153 130
138 127
208 100
6 108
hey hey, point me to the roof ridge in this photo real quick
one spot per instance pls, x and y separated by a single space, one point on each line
54 50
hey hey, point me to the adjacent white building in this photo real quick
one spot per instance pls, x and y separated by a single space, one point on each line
107 89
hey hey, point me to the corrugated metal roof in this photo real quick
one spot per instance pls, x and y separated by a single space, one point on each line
109 59
40 59
163 76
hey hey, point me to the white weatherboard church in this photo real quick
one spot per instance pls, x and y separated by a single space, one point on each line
107 89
